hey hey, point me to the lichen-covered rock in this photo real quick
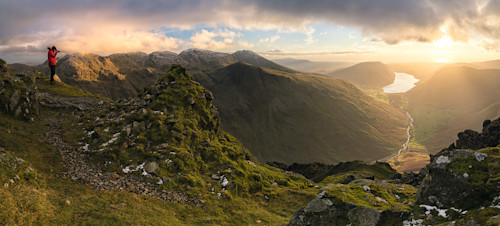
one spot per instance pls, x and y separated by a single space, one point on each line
361 202
467 174
460 178
18 93
151 167
321 211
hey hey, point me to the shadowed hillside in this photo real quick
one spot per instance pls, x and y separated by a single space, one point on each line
302 118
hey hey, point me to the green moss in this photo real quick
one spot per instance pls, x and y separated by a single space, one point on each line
483 175
380 196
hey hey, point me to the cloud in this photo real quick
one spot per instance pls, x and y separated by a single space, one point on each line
245 44
310 38
127 25
278 52
270 39
215 40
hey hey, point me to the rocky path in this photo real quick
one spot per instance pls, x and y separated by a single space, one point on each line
81 170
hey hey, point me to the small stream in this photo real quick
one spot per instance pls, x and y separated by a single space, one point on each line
403 82
405 145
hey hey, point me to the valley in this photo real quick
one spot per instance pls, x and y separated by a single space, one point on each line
280 114
230 112
163 157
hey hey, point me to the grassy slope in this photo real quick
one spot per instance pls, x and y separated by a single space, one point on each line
304 118
56 200
454 99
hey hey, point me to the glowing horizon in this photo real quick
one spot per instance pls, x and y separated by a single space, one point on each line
389 31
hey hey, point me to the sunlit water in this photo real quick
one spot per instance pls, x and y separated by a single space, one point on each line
402 83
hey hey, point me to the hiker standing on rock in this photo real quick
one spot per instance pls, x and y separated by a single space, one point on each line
52 62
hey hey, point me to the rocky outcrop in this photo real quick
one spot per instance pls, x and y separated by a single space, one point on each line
18 93
490 136
456 178
460 185
360 202
463 175
169 139
464 178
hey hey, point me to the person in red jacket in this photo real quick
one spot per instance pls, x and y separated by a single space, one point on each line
52 62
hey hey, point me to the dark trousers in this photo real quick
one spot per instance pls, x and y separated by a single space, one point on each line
52 72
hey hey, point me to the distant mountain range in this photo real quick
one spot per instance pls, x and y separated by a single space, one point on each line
278 113
366 75
313 66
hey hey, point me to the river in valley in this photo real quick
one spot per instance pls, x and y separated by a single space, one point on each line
403 82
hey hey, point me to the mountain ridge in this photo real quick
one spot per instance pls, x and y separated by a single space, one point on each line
162 157
283 108
366 75
133 72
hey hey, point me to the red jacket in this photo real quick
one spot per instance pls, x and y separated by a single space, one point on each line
52 57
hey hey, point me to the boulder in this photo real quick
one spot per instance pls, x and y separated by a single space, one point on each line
320 211
151 167
363 216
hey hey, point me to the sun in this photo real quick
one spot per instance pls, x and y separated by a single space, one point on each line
442 60
445 42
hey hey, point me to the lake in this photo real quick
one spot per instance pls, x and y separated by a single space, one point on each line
402 83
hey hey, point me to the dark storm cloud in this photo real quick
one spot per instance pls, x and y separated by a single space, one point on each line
104 24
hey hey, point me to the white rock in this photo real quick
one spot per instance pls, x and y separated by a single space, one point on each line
443 160
480 156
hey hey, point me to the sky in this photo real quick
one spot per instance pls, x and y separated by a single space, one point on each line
318 30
